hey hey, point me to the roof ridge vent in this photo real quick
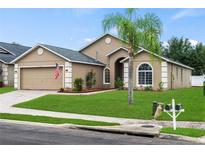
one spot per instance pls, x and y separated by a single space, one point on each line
15 43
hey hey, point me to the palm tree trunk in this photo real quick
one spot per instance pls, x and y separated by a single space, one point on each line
130 78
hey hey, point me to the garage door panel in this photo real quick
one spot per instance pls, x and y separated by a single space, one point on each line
40 78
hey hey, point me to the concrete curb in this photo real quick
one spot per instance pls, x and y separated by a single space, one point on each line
111 129
116 129
181 137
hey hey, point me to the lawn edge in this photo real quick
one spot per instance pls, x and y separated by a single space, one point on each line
182 137
117 124
65 125
29 123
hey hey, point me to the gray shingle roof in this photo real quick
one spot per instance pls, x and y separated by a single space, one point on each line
16 49
72 55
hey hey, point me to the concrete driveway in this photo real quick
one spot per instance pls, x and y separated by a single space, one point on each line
11 98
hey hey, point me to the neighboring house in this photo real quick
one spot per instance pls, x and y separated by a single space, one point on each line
107 56
198 80
9 52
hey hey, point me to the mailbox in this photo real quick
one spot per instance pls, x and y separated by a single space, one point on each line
168 107
178 107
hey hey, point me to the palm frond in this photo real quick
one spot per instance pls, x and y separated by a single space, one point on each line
145 30
130 13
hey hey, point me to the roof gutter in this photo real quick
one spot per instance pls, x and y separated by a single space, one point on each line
4 62
173 62
7 50
116 51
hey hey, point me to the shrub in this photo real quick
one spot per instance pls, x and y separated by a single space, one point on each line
78 84
161 84
90 79
1 71
61 90
119 83
148 88
1 83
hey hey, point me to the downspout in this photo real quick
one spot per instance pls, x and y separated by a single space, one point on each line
172 77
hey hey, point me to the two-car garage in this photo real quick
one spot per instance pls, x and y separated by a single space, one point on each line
40 78
36 70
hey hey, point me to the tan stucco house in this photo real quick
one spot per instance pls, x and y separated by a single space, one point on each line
107 56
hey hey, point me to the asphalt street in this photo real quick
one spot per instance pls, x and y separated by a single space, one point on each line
21 134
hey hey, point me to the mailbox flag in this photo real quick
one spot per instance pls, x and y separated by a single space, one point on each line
57 71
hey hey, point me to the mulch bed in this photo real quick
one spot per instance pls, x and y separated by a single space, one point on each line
69 90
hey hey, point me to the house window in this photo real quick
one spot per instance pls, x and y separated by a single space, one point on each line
145 74
106 76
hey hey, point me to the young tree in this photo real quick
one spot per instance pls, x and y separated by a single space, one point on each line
198 60
179 49
135 31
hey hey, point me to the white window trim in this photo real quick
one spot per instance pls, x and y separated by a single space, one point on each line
137 76
104 75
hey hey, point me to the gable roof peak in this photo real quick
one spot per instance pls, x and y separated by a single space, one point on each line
98 38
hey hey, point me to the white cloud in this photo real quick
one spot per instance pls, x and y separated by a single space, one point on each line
83 11
114 31
187 13
165 44
193 42
88 40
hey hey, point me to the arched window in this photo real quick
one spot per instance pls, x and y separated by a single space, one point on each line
106 76
145 74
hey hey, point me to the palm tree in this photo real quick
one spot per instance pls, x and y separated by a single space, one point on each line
136 31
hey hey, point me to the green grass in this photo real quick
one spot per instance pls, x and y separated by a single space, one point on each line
53 120
6 89
192 132
114 104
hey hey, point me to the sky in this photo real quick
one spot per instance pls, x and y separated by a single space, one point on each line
74 28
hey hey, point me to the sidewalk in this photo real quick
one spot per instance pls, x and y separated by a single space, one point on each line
122 121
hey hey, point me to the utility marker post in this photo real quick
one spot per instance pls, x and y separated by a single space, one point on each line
174 114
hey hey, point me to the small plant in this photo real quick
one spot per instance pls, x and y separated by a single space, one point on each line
141 87
90 79
1 83
119 83
161 86
78 85
1 71
148 88
61 90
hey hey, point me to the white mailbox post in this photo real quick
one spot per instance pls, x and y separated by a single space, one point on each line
174 115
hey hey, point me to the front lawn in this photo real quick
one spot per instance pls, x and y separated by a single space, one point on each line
192 132
53 120
6 89
114 104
